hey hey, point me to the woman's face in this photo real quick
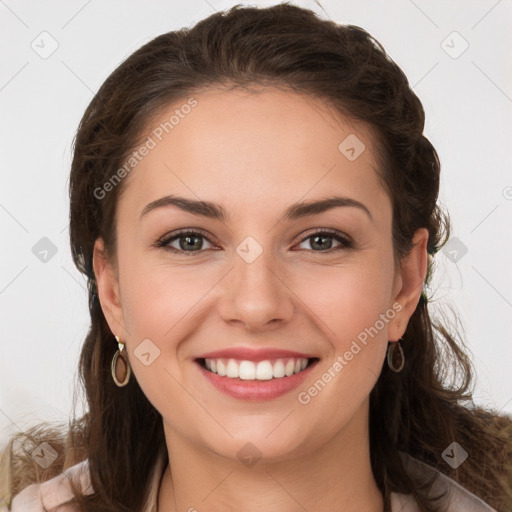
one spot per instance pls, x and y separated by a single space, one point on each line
254 291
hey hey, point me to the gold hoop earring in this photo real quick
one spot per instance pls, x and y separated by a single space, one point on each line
395 356
120 366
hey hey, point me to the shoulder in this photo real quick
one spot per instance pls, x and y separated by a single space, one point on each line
457 498
54 495
47 496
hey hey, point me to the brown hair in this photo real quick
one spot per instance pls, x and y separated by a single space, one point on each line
418 411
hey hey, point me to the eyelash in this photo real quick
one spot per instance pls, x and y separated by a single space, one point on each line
164 242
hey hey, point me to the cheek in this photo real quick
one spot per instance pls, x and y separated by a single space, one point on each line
353 304
351 297
355 312
158 305
347 298
156 297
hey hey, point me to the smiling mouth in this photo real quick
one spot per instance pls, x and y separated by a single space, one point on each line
268 369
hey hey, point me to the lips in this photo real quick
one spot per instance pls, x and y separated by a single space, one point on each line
255 374
251 354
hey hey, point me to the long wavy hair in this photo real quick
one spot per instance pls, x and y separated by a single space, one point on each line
420 410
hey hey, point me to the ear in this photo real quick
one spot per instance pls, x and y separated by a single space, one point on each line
107 282
408 284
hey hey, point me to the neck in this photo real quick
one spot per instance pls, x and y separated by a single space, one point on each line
337 476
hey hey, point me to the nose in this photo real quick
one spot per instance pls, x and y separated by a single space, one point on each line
256 295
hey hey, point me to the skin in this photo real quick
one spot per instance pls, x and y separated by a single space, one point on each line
239 149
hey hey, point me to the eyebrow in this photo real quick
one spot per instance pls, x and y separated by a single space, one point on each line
217 212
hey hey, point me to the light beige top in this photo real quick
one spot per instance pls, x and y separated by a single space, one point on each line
47 496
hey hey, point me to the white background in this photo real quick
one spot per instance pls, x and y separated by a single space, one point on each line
468 104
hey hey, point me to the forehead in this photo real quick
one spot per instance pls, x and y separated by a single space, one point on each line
244 148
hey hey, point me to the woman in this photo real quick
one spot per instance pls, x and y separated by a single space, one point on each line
254 205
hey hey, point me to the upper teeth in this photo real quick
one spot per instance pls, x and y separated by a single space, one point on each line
263 370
